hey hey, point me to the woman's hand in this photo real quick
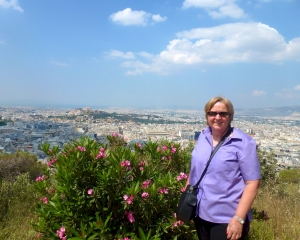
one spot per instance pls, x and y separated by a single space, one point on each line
234 229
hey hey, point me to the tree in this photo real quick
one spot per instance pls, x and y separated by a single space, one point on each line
268 166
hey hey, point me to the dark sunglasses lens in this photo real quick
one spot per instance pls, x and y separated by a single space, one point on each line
223 114
212 114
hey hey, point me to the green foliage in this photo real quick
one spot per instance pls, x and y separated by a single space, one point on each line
290 175
268 165
91 191
12 165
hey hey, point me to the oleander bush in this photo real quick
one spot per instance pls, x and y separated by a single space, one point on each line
94 191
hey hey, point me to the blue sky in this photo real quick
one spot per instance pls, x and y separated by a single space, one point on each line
149 54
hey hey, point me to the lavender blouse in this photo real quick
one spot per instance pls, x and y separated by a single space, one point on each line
223 184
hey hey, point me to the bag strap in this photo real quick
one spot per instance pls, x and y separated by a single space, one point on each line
212 155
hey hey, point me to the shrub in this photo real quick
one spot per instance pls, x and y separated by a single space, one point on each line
12 165
92 191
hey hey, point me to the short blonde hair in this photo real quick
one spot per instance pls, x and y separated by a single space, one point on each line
209 105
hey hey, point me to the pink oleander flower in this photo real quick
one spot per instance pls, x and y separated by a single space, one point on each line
158 149
181 176
142 163
164 158
139 145
177 223
41 178
146 183
127 238
115 134
51 162
169 157
61 233
50 150
163 190
141 168
81 149
126 164
101 153
129 200
145 195
90 192
39 235
130 216
173 150
182 189
164 148
44 199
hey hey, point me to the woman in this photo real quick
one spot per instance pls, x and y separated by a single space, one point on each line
230 184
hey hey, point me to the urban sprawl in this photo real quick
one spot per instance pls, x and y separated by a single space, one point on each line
26 128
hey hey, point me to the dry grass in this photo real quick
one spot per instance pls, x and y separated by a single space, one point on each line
281 202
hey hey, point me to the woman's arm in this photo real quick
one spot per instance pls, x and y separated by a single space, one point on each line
187 182
234 229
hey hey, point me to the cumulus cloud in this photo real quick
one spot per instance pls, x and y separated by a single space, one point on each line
130 17
224 44
297 88
146 55
217 8
11 4
118 54
258 93
158 18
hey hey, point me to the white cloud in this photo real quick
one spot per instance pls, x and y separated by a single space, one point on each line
129 17
289 93
217 8
118 54
224 44
227 11
11 4
158 18
285 94
146 55
61 64
258 93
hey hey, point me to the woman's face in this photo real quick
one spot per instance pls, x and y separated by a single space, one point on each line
218 123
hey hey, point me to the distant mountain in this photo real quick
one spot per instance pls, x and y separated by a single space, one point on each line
276 111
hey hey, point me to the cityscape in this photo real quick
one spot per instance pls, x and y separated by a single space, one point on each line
26 128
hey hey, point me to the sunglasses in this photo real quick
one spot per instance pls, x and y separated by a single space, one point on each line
221 114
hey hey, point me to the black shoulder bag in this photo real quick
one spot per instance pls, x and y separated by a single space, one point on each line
187 205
